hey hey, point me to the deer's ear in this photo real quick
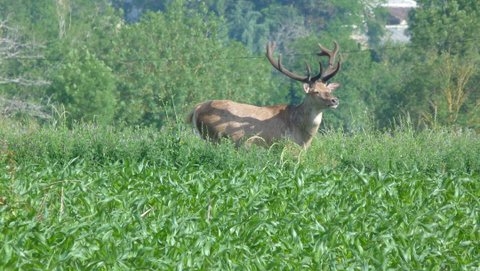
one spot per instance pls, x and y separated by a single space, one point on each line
333 86
306 88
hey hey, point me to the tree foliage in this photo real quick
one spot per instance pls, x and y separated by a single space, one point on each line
143 62
177 58
85 85
16 58
444 38
447 26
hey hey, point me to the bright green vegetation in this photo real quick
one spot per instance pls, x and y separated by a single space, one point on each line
120 199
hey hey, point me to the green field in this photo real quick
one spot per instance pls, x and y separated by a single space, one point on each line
93 198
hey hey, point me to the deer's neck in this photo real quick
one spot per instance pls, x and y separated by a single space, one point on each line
306 118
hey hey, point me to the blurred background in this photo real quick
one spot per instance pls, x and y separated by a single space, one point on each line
147 63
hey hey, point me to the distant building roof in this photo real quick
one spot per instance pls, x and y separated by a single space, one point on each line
397 21
397 15
401 3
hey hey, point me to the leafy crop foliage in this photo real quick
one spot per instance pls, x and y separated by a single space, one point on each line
94 197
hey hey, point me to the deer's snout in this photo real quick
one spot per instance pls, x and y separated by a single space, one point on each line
334 102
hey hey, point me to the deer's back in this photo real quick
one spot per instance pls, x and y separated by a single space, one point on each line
219 118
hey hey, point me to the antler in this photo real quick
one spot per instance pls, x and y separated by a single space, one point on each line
332 69
278 65
324 77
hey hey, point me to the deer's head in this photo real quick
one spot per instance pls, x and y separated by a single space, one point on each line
317 88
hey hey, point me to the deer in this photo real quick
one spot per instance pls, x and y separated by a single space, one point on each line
265 125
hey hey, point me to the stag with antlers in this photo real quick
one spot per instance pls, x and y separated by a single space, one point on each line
266 124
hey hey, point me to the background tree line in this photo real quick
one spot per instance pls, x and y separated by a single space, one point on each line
144 62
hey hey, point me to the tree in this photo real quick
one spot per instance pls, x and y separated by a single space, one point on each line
13 51
445 42
85 86
75 33
16 79
169 61
444 91
447 26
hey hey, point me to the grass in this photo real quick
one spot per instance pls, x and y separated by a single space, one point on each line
131 199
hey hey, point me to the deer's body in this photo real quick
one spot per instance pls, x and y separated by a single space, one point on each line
264 125
224 118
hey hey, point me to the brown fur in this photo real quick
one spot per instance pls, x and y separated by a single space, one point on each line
265 125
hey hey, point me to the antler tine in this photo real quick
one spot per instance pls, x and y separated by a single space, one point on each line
278 65
309 71
326 52
331 72
319 75
332 69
